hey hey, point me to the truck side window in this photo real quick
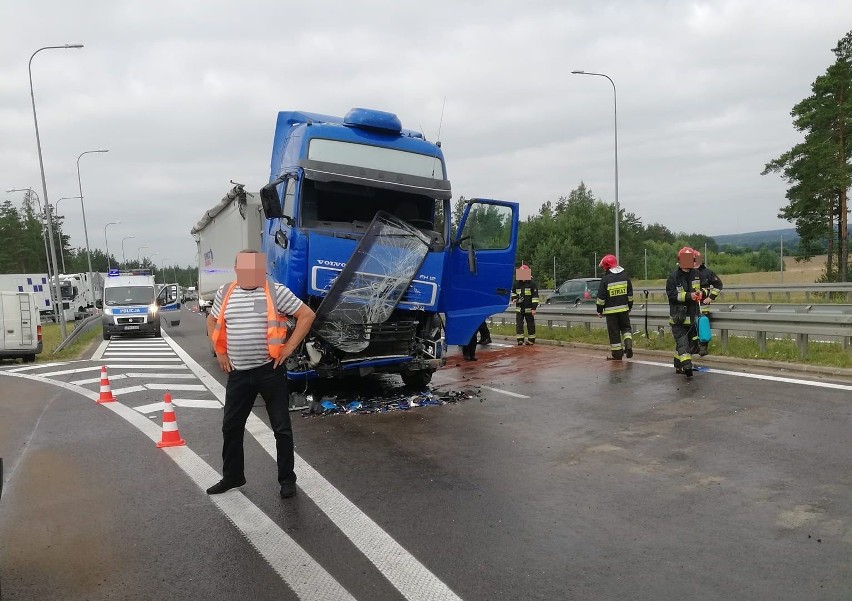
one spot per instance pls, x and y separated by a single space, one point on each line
289 207
489 227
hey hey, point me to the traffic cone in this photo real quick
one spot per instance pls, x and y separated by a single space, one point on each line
171 434
106 393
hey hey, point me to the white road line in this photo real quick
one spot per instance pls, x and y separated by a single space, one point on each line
100 350
98 379
36 366
757 376
135 358
127 390
79 370
192 403
161 376
142 366
308 580
514 394
170 386
403 570
168 353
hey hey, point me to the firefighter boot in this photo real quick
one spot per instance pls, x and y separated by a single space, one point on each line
628 348
687 368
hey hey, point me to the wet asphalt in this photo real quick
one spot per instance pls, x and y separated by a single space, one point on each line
602 480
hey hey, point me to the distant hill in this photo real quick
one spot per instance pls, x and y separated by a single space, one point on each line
757 239
772 238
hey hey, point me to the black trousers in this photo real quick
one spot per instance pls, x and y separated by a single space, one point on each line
240 393
469 349
618 324
522 316
686 343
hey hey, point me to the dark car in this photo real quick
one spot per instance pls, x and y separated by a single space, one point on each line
583 290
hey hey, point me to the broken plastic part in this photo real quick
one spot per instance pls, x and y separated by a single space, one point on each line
373 282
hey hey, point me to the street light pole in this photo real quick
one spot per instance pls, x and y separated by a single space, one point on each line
106 242
138 254
615 121
86 229
61 245
123 256
56 289
154 267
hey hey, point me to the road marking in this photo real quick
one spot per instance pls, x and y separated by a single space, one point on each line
169 386
514 394
191 403
36 366
100 350
410 577
143 366
307 578
93 380
164 376
134 358
168 353
70 371
769 378
128 390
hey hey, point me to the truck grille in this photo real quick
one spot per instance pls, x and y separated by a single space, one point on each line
389 338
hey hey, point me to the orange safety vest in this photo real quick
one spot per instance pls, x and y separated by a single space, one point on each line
276 326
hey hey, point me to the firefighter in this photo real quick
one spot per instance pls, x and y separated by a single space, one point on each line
683 288
615 300
525 297
711 282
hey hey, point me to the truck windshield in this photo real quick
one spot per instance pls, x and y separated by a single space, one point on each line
68 292
129 295
375 157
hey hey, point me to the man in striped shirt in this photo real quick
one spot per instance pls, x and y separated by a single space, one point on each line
246 325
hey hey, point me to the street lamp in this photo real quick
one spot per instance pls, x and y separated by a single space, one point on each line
56 290
154 266
615 113
123 256
61 245
138 254
83 208
106 242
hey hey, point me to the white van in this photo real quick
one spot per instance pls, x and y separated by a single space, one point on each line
21 334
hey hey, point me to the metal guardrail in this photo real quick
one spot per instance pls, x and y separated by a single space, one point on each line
758 321
82 327
781 292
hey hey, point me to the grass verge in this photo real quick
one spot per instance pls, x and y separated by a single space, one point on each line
51 337
819 353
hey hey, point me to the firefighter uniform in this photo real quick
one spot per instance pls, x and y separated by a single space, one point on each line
683 313
525 296
615 300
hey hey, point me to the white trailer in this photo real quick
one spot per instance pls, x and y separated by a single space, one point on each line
20 337
234 224
36 283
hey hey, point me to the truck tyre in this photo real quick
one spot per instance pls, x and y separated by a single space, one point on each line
29 358
417 380
107 335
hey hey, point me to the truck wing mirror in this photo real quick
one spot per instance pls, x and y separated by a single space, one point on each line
271 200
99 304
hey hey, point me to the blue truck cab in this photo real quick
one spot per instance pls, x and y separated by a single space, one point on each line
361 202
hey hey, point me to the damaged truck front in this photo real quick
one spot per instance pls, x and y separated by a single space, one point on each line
356 221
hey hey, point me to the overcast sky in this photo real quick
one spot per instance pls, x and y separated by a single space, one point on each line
185 93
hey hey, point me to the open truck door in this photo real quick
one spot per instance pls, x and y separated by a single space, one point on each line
479 270
168 301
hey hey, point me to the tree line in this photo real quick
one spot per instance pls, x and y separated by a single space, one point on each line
23 230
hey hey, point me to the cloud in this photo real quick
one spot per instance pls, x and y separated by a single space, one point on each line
185 96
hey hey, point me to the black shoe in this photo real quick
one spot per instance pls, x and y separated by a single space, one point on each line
530 342
688 372
471 358
678 370
288 489
628 348
224 486
702 350
520 343
488 341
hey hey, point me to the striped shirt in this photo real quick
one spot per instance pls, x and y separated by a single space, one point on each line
245 322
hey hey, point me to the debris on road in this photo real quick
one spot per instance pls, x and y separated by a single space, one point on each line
383 404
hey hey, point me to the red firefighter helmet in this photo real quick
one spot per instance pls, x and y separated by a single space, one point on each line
686 257
608 262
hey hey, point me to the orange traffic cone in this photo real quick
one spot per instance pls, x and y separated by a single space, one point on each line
106 393
171 434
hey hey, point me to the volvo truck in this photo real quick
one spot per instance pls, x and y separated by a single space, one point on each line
356 220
